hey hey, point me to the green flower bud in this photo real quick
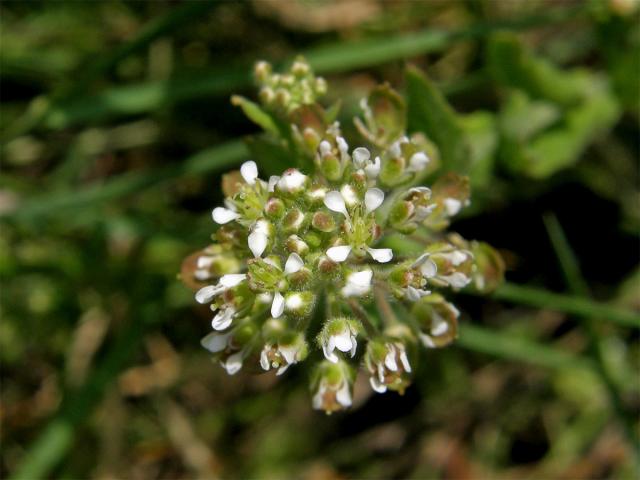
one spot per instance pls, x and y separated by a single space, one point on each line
299 304
323 222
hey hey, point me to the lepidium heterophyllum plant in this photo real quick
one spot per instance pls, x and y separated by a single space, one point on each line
316 261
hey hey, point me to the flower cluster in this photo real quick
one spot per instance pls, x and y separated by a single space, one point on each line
346 252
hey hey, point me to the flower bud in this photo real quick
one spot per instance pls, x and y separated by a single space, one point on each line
411 209
453 265
294 244
489 267
299 304
292 182
323 222
293 221
274 208
339 333
332 386
438 320
384 116
450 194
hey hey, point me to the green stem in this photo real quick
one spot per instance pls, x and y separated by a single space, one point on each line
571 270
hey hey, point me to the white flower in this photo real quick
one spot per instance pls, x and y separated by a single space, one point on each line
362 161
360 157
440 327
293 264
381 370
279 356
292 180
340 253
249 172
344 340
328 395
220 342
358 284
208 293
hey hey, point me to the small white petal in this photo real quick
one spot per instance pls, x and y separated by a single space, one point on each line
257 243
426 340
329 354
452 206
291 180
232 279
233 363
204 262
343 341
395 150
202 274
354 346
428 268
360 157
206 294
349 195
390 360
325 148
414 294
318 398
288 353
418 161
405 361
282 369
456 280
223 215
249 171
373 198
333 201
293 264
339 254
343 146
273 180
358 284
215 342
376 385
439 327
277 307
223 318
343 395
264 360
373 169
382 255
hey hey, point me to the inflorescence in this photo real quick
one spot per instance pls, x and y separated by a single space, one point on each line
344 258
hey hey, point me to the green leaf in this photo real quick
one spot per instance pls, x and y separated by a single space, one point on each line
481 131
513 65
429 112
256 114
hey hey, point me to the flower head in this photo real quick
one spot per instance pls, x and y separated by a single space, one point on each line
332 231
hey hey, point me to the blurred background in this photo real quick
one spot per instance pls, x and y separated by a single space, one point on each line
116 127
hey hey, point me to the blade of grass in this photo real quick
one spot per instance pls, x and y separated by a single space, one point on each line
514 347
338 57
215 158
597 347
582 307
57 438
41 107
